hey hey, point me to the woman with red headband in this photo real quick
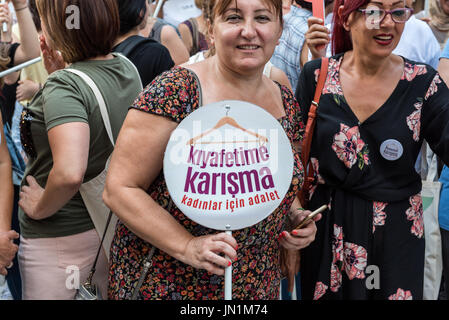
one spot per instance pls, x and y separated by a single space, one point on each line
375 110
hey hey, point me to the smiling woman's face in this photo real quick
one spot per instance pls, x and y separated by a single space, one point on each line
246 34
376 40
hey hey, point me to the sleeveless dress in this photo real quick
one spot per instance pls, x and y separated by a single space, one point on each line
256 273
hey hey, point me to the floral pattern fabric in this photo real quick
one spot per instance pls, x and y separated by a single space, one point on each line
415 214
414 121
256 273
350 148
379 214
401 295
374 220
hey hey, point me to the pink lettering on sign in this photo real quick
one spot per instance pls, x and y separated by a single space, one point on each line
230 204
239 180
232 182
236 158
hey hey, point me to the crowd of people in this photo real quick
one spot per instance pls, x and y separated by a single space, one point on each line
102 103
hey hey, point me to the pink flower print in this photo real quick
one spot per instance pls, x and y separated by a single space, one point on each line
337 244
317 75
411 71
316 169
415 214
433 88
401 295
312 191
379 215
355 260
337 261
350 148
332 84
414 121
336 278
318 178
320 290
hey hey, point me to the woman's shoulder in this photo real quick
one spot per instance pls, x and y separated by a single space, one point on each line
176 77
412 69
173 93
288 98
292 122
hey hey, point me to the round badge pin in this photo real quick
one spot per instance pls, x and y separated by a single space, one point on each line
391 150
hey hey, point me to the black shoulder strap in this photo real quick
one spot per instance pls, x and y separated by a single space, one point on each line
127 46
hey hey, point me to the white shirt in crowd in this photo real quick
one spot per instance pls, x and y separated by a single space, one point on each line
418 43
177 11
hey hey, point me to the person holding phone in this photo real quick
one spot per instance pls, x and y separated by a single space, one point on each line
374 113
188 260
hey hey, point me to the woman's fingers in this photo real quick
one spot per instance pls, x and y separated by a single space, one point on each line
314 20
227 239
213 253
210 267
213 257
3 271
298 238
315 35
293 243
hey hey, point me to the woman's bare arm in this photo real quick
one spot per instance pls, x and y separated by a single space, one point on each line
136 162
29 39
6 187
69 145
174 44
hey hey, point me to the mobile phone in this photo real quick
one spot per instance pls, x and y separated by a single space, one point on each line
311 216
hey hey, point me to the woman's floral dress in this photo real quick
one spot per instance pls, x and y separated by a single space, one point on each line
256 273
370 244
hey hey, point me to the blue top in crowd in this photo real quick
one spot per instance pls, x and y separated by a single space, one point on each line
443 210
287 54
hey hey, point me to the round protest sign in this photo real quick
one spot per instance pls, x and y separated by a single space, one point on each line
228 165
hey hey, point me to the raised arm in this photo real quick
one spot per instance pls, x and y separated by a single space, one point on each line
29 43
136 162
317 38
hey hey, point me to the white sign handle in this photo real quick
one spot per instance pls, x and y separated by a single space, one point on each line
228 278
158 8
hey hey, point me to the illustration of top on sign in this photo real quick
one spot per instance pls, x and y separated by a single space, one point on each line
231 122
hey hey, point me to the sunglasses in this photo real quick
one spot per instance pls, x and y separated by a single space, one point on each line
376 16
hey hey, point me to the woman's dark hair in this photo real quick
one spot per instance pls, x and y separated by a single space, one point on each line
35 14
132 13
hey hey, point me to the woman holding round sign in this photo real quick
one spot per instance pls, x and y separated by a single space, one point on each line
374 113
186 260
